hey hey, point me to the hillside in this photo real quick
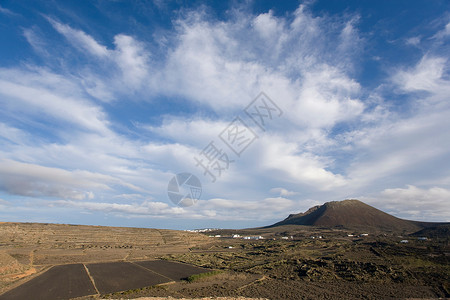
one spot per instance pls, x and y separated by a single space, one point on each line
48 244
349 213
437 231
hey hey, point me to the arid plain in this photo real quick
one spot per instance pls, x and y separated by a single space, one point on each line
283 262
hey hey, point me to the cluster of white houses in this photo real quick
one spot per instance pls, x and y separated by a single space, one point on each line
253 237
237 236
361 235
201 230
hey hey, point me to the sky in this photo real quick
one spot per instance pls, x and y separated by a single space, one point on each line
273 106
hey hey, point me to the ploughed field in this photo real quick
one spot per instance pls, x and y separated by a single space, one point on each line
59 282
76 280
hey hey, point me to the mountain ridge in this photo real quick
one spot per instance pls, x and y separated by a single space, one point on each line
352 213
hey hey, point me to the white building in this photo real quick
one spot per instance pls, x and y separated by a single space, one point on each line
253 238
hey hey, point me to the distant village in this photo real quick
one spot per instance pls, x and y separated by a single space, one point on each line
259 237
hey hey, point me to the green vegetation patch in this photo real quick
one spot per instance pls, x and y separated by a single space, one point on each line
197 277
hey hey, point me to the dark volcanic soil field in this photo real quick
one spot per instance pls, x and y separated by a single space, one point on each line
173 270
76 280
60 282
122 276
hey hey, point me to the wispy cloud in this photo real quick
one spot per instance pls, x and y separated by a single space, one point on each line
414 41
7 11
39 92
4 202
427 75
444 33
80 39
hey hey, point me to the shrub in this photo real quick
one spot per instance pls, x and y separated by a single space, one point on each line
196 277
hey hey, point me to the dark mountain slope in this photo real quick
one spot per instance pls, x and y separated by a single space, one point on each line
349 214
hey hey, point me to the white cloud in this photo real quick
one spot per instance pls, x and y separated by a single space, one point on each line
221 65
216 209
216 64
289 161
414 41
12 134
404 147
326 98
443 33
283 192
131 196
38 43
80 39
418 203
129 56
268 26
196 132
38 181
394 148
146 208
132 59
226 209
427 75
39 93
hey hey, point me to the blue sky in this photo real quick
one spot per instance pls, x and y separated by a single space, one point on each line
103 102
